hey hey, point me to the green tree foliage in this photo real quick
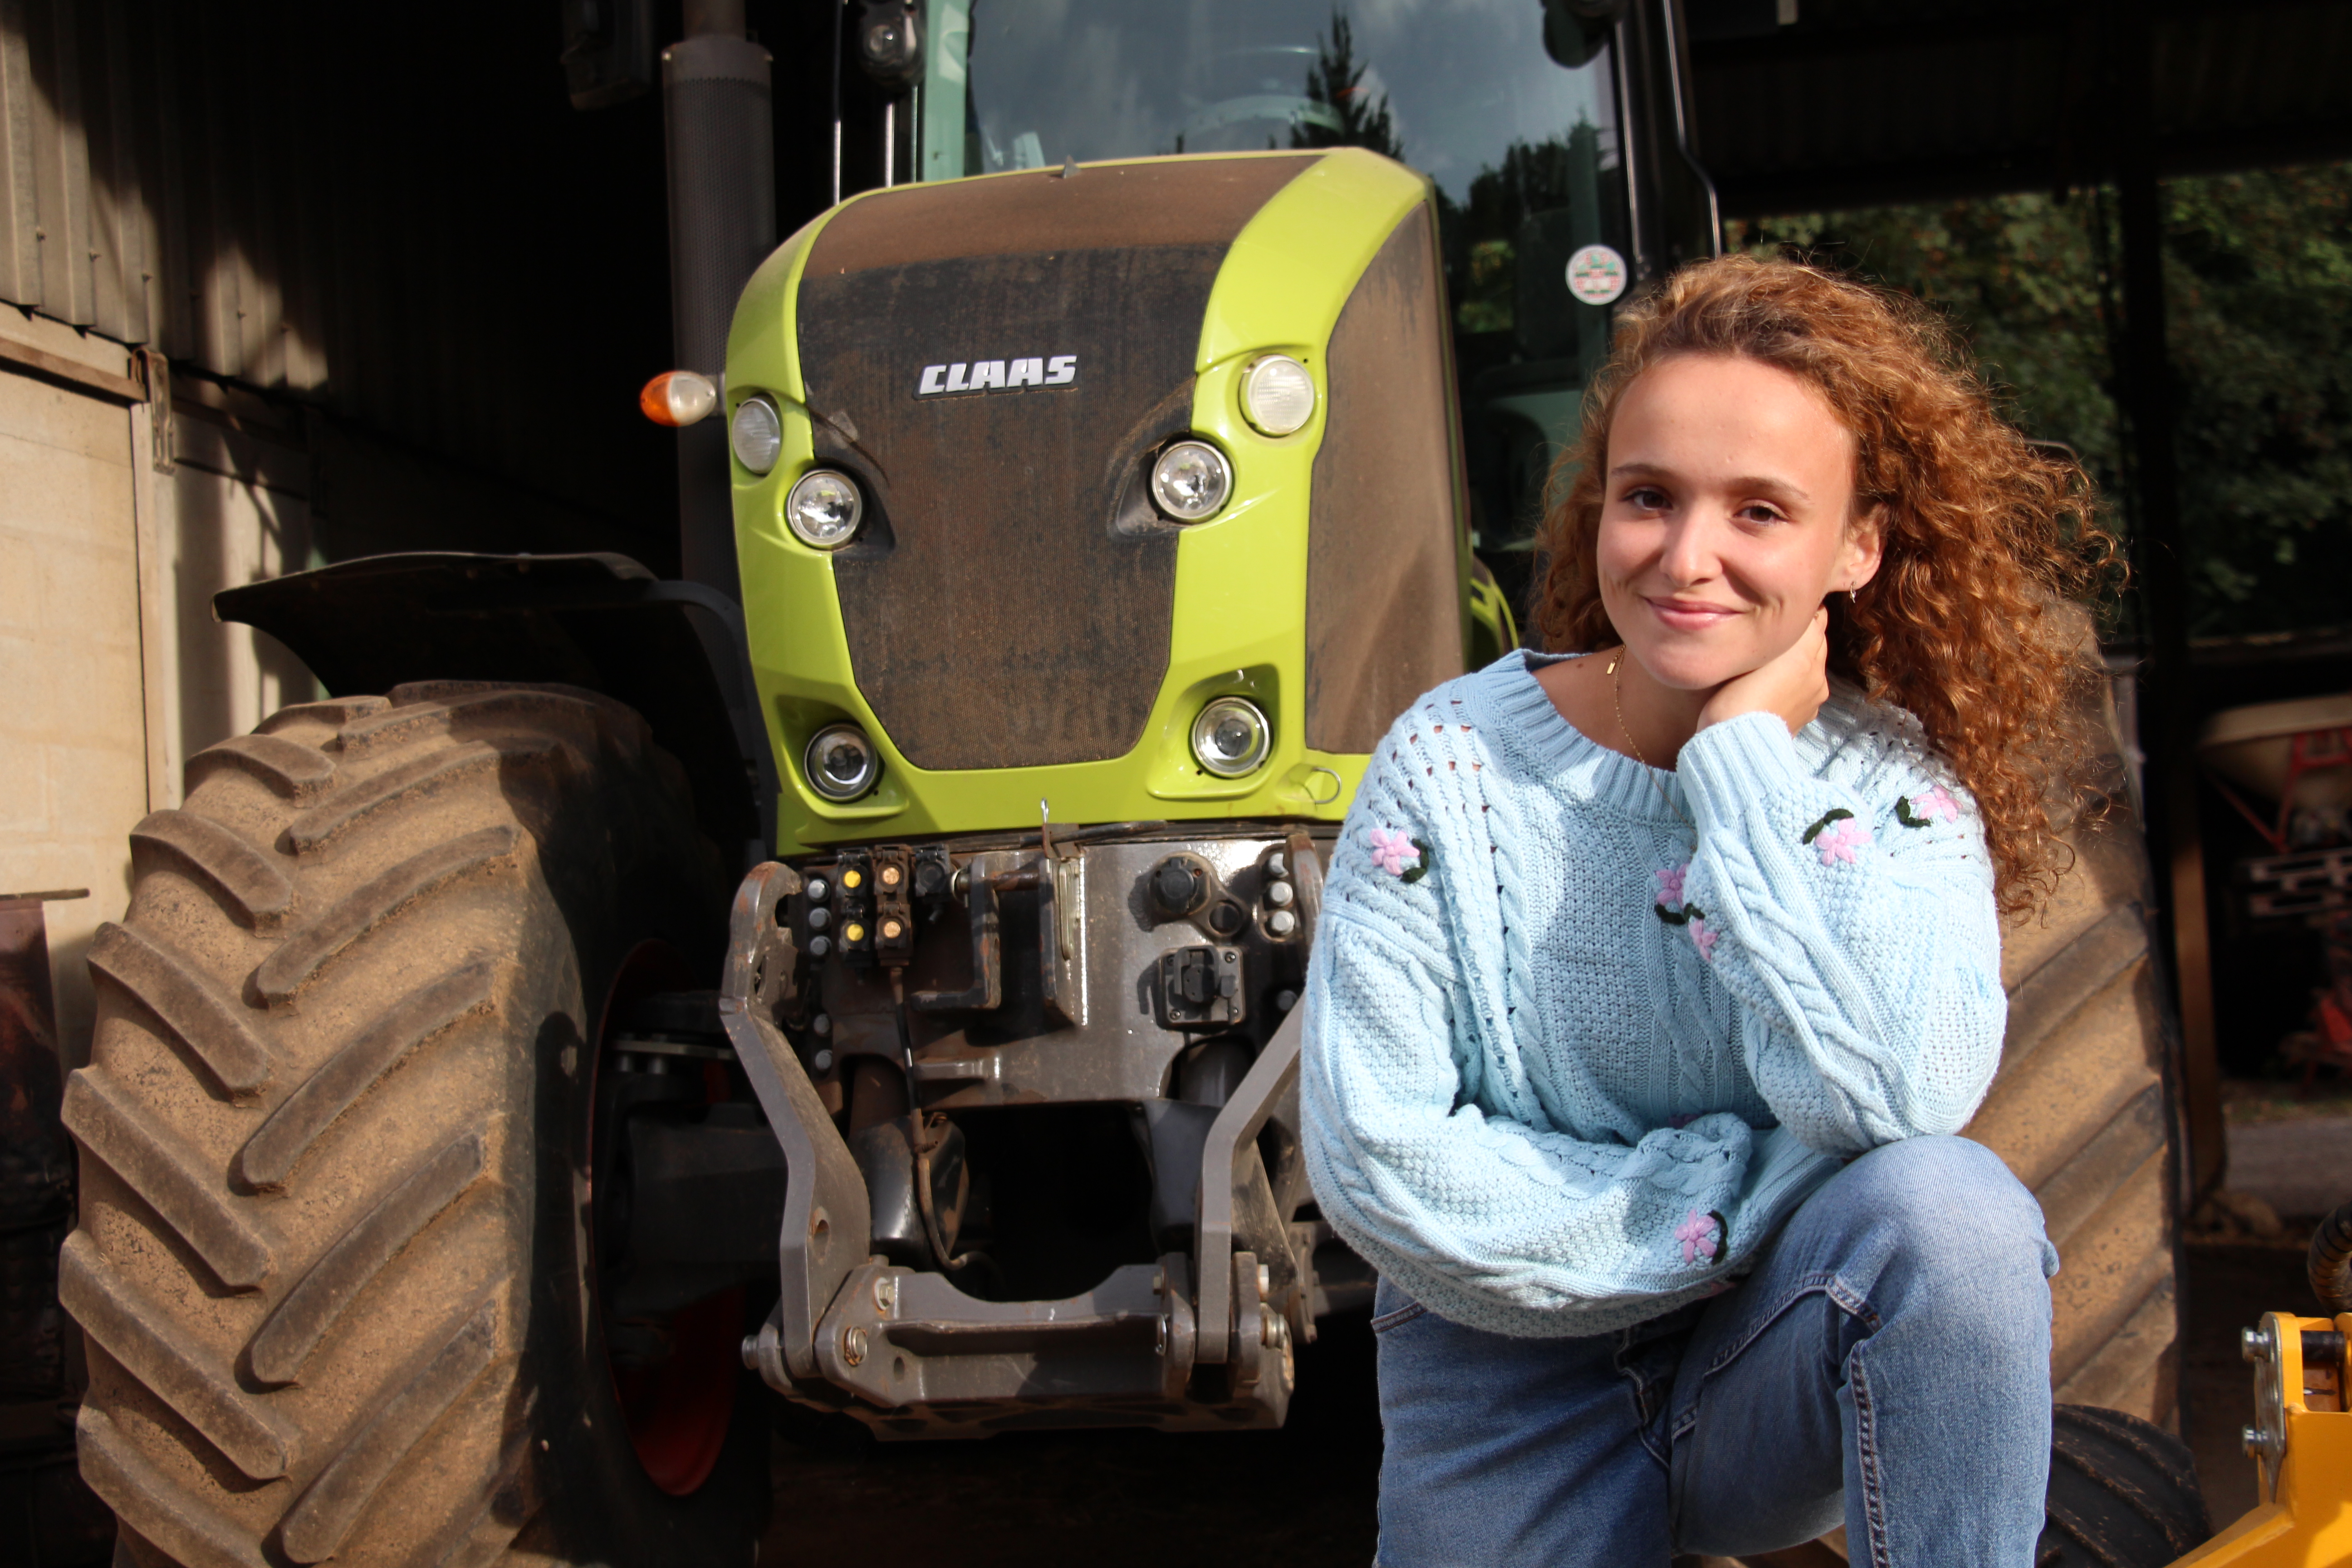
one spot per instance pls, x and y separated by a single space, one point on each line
2258 271
1534 177
2019 276
1534 180
2258 280
1336 80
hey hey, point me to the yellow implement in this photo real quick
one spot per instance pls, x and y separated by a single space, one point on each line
2302 1435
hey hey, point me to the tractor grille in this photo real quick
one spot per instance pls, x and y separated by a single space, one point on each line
995 616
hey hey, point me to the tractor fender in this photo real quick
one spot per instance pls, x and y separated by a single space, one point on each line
673 651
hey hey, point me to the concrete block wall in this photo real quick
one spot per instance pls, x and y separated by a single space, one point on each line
73 740
112 670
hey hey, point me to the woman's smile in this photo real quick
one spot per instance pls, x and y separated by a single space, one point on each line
1690 615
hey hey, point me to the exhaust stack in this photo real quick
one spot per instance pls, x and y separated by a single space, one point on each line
718 126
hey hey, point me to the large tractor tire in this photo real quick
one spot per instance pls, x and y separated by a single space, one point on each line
2123 1494
2084 1111
333 1260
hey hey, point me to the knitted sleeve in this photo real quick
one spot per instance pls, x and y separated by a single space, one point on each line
1486 1218
1852 911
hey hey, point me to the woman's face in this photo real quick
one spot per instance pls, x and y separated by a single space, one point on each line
1726 517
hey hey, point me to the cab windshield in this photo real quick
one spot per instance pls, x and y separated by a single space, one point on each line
1523 152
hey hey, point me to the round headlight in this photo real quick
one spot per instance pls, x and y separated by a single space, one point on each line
822 508
1231 737
758 433
1277 394
841 763
1191 481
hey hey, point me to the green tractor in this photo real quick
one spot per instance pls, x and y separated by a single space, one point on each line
466 1174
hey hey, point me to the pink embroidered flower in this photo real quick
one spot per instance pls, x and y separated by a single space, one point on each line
1937 803
1840 840
1670 883
1697 1234
1705 935
1392 850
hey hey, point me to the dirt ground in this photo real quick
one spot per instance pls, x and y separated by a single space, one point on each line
1304 1496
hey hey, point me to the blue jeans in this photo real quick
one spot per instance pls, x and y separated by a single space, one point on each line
1886 1367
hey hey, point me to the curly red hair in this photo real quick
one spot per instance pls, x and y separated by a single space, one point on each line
1986 538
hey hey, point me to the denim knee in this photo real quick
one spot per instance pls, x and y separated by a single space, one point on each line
1941 1217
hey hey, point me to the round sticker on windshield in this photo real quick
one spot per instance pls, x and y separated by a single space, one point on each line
1596 275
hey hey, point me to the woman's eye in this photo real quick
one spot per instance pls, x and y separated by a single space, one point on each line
1646 499
1757 512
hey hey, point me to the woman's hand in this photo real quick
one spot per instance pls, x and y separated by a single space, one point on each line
1793 686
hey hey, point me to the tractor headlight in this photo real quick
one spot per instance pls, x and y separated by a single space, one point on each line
1277 394
1191 481
841 763
758 433
1231 737
822 508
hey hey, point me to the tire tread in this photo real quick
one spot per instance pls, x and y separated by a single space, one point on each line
303 954
159 1167
131 1331
2080 1111
277 1145
288 767
316 827
315 1129
307 1311
161 1511
2123 1493
173 990
318 1524
259 894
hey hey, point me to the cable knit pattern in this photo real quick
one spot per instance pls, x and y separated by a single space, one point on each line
1527 1070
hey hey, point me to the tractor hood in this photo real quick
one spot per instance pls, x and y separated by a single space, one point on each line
1007 356
996 363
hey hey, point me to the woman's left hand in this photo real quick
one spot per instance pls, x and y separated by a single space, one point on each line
1793 685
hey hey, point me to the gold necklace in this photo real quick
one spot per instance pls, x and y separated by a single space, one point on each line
1617 701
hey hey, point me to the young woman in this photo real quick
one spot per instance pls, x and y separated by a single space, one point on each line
1655 980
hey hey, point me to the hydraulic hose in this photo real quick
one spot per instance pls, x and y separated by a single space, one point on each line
2331 1262
933 1132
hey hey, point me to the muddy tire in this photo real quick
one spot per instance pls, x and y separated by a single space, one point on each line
2123 1494
2085 1111
332 1258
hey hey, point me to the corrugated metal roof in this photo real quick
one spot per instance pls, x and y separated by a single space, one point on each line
146 213
1866 101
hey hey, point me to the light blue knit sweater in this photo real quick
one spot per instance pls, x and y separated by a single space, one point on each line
1572 1074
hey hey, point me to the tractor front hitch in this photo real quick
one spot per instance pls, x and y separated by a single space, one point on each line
826 1219
1204 1336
